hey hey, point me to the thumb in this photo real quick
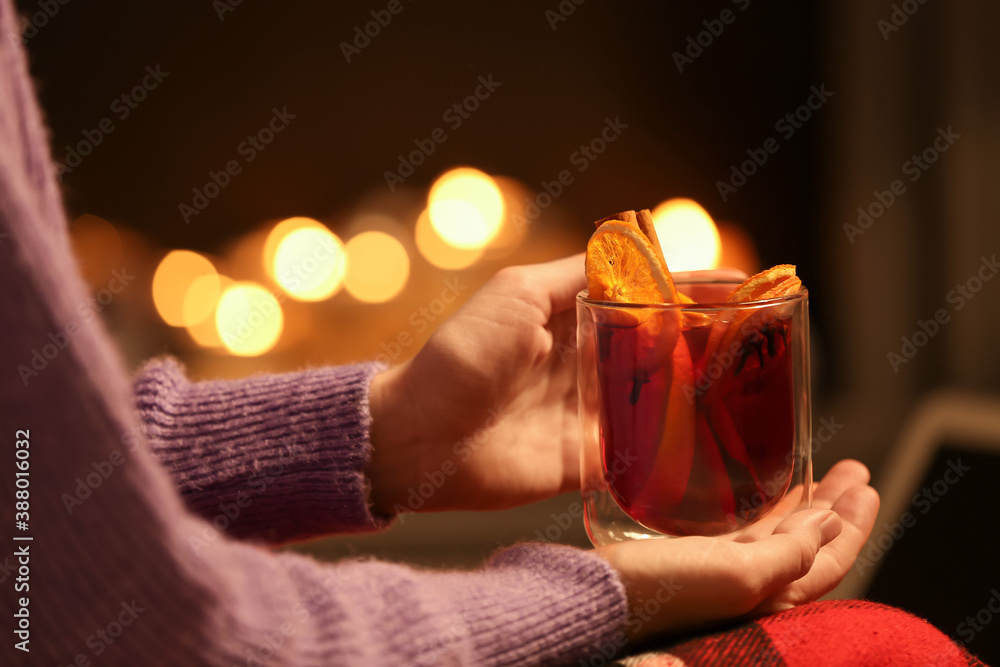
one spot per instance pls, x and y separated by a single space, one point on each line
551 286
564 278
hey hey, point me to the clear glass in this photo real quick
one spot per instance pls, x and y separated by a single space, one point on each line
696 417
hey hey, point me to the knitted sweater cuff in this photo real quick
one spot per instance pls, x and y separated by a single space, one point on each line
276 457
570 606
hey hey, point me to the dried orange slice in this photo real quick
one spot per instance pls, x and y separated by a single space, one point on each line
784 288
746 325
754 320
644 219
622 266
754 287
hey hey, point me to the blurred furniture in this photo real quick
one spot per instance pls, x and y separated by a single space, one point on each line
934 548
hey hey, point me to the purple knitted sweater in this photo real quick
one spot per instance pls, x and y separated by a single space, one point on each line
147 524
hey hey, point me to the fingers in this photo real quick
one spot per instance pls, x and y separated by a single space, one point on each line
857 507
551 287
765 526
844 475
789 553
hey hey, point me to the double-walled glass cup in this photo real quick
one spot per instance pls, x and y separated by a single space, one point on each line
696 417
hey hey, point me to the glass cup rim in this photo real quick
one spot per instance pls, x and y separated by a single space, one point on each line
801 295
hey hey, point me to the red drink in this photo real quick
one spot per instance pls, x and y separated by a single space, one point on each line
697 428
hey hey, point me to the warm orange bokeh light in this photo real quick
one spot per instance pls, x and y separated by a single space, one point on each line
277 235
310 263
378 267
203 294
466 208
688 235
249 319
437 251
174 275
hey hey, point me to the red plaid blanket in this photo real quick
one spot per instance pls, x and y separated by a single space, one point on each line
837 632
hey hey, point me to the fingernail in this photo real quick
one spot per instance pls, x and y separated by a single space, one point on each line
830 527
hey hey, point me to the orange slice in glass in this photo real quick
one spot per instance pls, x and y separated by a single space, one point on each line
622 266
773 283
755 287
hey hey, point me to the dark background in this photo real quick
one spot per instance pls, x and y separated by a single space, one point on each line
685 129
353 119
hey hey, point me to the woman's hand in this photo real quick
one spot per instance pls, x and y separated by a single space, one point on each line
484 417
787 559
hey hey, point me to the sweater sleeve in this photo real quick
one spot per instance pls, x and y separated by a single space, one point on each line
276 457
113 569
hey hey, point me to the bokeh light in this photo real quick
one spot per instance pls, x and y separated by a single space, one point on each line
249 319
174 275
688 235
310 263
278 234
466 208
378 267
203 295
439 253
200 299
515 223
